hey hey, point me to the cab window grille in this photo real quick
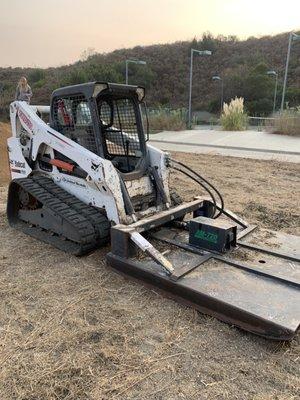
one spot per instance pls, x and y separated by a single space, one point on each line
119 125
72 117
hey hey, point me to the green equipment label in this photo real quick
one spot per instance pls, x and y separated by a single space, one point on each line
208 236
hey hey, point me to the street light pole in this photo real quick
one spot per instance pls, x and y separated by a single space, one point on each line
126 72
293 36
134 62
201 53
273 73
222 95
1 92
275 93
190 91
218 78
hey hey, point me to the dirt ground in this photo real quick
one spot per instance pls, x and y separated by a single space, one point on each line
71 328
4 134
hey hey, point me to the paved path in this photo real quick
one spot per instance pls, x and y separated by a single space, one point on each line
250 144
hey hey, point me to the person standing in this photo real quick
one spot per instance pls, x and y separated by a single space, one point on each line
23 92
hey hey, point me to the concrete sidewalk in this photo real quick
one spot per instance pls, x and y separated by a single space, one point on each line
250 144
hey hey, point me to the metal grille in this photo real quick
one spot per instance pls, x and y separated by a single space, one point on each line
118 120
72 117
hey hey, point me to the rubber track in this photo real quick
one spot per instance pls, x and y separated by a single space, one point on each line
80 216
94 215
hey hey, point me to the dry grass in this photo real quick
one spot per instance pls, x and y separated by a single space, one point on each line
264 192
233 117
70 328
5 133
166 122
286 123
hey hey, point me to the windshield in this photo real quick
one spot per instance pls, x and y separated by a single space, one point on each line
72 117
118 118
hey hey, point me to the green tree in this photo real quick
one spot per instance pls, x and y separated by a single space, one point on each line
208 42
74 77
36 75
254 85
140 75
293 97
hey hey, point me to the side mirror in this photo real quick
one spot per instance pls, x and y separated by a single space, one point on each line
145 119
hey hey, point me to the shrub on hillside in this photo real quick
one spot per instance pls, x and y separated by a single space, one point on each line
36 75
166 121
287 122
233 117
261 107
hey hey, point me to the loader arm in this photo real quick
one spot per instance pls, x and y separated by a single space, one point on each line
42 139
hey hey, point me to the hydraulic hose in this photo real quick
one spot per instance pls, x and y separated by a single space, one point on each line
204 180
201 184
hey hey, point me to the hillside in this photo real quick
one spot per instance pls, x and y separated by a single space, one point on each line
242 64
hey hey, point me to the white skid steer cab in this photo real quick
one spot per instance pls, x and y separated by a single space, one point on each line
89 177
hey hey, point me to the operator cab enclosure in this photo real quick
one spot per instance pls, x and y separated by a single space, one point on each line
106 119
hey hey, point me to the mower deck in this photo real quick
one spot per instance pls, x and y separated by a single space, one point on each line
256 290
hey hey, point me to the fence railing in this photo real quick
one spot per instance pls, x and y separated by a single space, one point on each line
260 122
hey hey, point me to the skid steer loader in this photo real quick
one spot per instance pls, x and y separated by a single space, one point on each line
88 176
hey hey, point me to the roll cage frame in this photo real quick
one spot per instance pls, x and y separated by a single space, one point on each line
95 92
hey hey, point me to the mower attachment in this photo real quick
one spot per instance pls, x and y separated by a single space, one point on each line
250 286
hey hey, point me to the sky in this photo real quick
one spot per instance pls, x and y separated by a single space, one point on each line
45 33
